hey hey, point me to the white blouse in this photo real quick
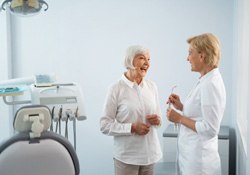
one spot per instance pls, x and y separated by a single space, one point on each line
125 104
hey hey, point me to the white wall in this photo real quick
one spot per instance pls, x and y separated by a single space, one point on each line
248 122
4 116
85 41
241 84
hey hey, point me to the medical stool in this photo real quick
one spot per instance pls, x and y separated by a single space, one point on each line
34 150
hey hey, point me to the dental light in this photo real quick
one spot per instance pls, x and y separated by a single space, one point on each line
24 7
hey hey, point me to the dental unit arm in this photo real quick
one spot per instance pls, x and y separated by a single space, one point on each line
64 100
17 86
67 96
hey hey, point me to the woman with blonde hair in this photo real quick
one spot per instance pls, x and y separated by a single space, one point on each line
202 112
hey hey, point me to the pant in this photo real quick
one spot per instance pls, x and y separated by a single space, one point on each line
127 169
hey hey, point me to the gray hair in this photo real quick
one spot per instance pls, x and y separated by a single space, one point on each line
131 52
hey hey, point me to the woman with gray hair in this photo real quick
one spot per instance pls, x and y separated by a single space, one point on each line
202 112
132 115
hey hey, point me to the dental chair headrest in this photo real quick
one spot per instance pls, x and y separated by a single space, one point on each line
34 119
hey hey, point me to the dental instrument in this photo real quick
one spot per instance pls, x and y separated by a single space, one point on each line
61 98
169 106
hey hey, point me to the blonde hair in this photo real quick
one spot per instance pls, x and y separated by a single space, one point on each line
208 44
131 52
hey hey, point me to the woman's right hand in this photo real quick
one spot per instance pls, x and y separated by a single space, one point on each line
175 101
140 128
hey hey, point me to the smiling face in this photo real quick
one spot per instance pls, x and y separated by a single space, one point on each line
204 53
195 59
141 63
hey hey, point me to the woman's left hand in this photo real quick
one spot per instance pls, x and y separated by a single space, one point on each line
173 116
153 119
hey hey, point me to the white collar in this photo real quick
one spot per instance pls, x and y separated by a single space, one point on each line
214 71
131 83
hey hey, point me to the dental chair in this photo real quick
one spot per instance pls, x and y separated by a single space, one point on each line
34 150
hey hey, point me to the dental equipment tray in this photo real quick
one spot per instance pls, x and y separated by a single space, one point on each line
12 90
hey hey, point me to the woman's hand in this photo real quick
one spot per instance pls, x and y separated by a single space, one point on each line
173 116
153 119
175 101
140 128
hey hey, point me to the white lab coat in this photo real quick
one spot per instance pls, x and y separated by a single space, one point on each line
198 152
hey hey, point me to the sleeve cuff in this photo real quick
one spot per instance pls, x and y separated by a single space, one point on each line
128 128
